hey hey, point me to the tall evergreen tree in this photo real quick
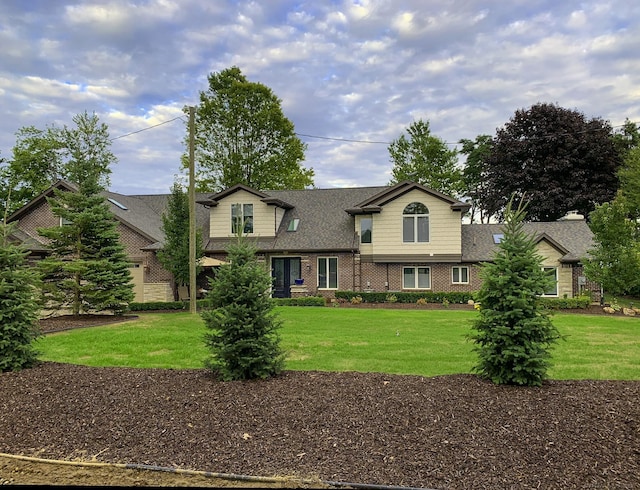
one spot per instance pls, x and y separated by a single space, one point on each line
242 329
18 306
88 268
514 332
174 255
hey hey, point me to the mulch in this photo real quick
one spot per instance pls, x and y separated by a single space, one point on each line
453 432
445 432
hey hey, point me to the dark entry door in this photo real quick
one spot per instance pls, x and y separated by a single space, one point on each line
285 270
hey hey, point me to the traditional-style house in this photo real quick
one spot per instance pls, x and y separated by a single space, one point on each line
405 237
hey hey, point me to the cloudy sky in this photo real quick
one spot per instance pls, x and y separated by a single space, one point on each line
351 75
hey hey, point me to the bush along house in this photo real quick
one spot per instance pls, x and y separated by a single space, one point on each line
405 237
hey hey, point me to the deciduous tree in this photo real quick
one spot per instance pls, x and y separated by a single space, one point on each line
42 156
558 157
35 164
614 260
423 158
627 138
514 333
242 136
474 174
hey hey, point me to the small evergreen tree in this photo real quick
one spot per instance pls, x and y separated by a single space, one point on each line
514 332
18 306
242 328
174 255
88 268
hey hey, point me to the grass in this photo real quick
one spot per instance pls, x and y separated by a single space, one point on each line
427 343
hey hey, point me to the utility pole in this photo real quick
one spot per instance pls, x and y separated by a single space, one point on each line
192 213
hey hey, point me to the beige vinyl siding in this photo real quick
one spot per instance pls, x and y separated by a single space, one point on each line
137 278
551 257
266 219
445 235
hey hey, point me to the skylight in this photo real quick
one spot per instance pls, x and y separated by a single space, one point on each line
293 224
497 237
117 203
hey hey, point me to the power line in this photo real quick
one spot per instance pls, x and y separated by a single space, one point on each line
350 140
146 129
343 139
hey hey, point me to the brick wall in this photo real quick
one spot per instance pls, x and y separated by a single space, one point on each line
388 277
590 287
39 217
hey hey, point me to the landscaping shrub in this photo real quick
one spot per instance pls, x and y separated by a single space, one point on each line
159 306
405 297
242 329
581 302
303 301
514 332
18 307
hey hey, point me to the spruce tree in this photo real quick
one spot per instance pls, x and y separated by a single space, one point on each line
242 329
514 331
88 269
18 306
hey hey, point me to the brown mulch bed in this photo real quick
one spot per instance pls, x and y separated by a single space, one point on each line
443 432
447 432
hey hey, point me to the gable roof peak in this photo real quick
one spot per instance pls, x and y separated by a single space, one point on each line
393 192
235 188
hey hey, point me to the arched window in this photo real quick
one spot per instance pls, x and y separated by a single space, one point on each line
415 223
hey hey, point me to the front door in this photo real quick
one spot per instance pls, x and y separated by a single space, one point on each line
285 270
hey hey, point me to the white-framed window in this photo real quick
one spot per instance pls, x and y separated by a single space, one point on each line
241 218
416 278
366 230
459 275
65 221
327 272
415 223
553 272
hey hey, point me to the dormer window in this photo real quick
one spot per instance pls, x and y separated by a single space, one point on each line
241 218
415 223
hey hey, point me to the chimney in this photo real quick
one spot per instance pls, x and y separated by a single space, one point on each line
572 215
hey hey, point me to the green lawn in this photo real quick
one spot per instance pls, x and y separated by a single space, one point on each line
422 342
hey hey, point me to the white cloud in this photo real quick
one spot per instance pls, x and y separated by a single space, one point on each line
359 70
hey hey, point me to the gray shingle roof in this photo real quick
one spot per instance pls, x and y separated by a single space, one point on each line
573 236
144 213
324 222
